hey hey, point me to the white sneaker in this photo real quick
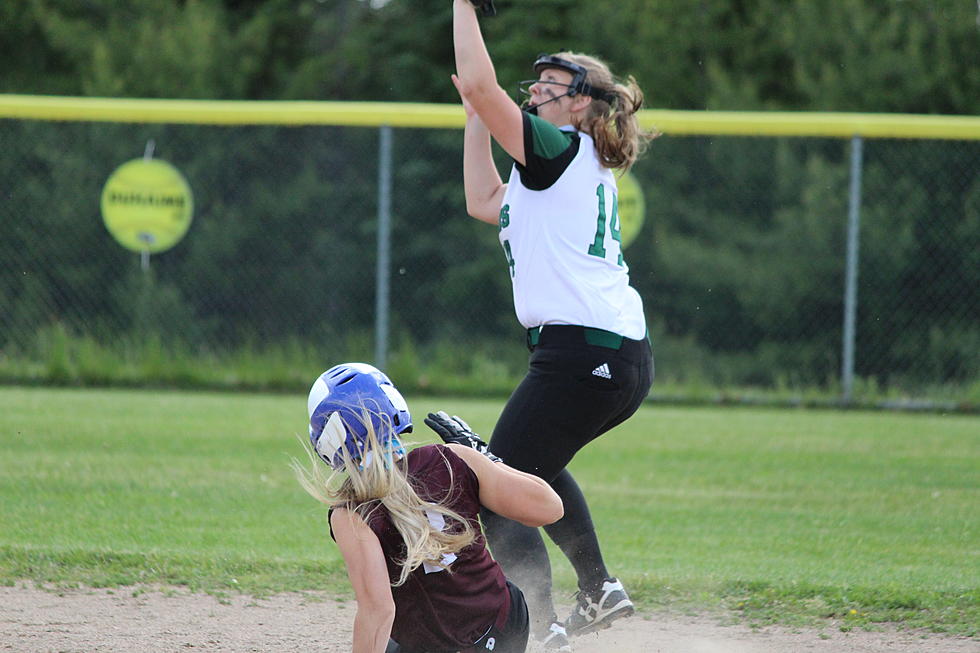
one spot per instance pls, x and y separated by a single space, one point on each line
555 638
598 610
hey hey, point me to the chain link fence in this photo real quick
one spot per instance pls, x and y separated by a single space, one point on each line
742 260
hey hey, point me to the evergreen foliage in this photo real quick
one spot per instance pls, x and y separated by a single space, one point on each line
697 261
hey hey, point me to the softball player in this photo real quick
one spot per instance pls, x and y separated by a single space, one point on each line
591 364
406 522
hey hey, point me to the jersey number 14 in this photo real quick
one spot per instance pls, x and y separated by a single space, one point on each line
597 248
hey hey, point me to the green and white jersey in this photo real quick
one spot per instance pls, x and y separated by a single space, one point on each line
559 228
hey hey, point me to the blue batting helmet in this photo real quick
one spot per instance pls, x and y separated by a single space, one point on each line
341 402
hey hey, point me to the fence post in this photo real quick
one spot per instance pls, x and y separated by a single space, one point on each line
384 247
147 156
851 270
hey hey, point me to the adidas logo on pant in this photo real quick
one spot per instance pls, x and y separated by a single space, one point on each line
603 371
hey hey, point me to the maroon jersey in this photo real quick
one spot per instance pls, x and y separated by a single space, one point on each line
438 609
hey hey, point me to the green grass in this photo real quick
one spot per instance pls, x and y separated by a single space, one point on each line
488 368
786 516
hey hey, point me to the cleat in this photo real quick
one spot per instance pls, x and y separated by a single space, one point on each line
597 611
555 638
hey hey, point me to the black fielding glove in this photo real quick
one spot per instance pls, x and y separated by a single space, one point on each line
453 430
485 6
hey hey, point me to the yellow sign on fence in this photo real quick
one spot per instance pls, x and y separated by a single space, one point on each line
632 208
147 205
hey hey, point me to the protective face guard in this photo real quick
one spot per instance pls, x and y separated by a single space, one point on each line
578 85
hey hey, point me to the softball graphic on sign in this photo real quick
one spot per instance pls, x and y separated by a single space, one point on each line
631 208
147 205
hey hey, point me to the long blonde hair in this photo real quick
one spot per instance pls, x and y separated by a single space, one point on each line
376 479
619 140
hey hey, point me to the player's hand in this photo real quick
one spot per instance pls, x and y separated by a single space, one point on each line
453 430
467 107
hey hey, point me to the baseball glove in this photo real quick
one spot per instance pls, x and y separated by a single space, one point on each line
485 6
453 430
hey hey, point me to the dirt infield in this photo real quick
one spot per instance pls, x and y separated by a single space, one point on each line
160 619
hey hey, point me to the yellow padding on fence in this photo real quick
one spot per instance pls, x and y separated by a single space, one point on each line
372 114
230 112
838 125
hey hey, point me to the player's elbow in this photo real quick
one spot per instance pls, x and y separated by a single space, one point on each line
480 212
484 95
472 208
483 210
547 509
473 88
377 610
555 510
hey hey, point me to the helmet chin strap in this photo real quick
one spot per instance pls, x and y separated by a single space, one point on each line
533 108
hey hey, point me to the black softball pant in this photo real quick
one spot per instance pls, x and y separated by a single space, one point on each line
573 393
512 638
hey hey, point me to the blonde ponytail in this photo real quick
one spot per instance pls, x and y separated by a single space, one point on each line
377 480
619 140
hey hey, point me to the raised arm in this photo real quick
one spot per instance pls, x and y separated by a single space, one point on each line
523 497
368 575
481 181
477 83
